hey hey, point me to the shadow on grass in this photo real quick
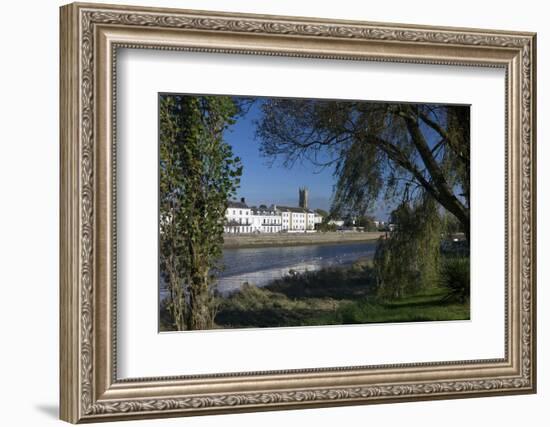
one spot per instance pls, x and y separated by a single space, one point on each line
418 304
266 318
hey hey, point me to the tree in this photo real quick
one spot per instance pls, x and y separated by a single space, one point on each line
323 213
367 222
410 259
405 150
325 227
198 174
451 226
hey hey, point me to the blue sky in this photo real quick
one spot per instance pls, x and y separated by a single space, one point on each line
263 183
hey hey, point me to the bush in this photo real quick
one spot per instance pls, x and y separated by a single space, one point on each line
455 278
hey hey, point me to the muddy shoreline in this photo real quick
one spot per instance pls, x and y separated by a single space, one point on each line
297 239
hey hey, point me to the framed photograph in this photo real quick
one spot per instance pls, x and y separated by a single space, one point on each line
266 212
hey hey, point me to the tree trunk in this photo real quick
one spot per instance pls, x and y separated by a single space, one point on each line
200 302
177 299
443 193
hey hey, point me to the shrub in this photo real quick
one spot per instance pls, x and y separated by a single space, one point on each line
455 278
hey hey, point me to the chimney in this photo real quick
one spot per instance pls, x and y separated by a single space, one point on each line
242 200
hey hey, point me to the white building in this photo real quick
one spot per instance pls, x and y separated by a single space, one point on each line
317 219
240 218
297 219
337 222
266 220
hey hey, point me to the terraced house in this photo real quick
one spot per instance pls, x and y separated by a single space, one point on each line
240 218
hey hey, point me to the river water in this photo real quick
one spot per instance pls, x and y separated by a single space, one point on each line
260 266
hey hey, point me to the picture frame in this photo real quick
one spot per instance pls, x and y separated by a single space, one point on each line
91 35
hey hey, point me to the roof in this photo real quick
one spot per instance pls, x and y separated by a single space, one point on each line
291 209
262 211
294 209
236 204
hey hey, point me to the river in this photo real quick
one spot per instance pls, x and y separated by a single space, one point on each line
259 266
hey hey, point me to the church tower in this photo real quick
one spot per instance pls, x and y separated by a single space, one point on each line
303 194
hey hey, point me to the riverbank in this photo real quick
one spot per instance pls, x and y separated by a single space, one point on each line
296 239
332 296
335 296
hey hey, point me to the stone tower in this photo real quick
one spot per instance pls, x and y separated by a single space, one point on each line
303 193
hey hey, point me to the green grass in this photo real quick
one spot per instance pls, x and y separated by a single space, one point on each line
429 305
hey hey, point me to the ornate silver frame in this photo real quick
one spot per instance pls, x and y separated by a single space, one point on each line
90 36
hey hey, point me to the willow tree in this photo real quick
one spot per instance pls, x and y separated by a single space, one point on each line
198 174
410 259
396 150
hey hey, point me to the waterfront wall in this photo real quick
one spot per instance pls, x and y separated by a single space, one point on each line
296 239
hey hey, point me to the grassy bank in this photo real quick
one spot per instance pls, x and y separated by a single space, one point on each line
333 296
296 239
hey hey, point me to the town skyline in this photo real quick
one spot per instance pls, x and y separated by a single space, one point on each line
242 218
284 202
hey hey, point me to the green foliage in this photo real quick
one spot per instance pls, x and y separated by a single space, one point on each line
455 278
322 212
408 260
376 149
198 174
451 225
366 222
325 226
359 179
